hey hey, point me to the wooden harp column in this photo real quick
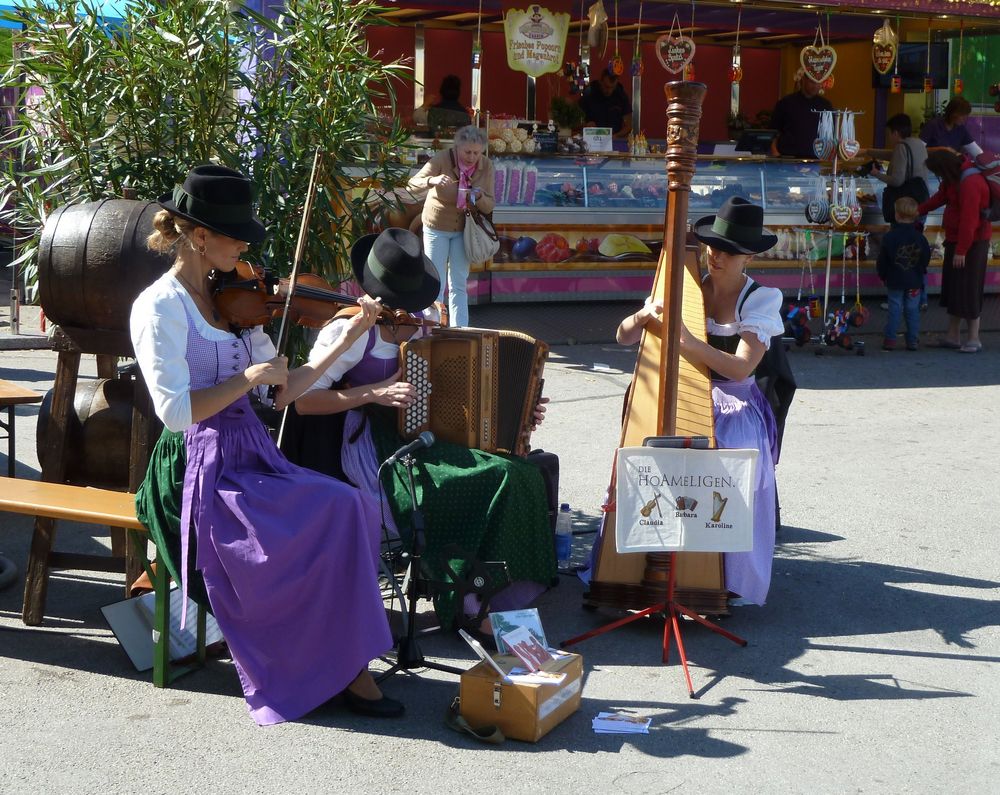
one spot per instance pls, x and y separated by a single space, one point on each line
669 395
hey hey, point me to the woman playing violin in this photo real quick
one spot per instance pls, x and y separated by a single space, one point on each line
254 525
493 507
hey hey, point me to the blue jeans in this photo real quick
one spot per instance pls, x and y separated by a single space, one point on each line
907 304
447 251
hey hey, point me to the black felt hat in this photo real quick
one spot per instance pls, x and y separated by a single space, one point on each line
218 199
738 228
392 267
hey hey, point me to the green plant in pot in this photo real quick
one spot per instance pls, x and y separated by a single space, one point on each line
567 115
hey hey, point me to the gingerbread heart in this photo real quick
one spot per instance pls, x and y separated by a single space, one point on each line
883 56
818 211
675 52
823 148
818 62
840 214
849 148
855 214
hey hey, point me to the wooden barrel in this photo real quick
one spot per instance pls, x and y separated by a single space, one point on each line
93 262
98 432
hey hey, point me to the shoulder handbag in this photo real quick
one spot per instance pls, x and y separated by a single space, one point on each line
912 186
480 236
481 239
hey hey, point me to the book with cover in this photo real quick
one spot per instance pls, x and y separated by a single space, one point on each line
510 620
522 676
132 622
527 648
620 723
477 647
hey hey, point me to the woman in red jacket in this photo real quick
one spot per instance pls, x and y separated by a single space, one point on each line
967 234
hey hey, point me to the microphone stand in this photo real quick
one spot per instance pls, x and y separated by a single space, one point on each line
408 653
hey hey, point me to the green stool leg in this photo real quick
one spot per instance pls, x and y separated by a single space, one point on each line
161 628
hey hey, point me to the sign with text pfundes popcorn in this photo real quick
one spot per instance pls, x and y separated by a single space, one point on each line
673 500
536 40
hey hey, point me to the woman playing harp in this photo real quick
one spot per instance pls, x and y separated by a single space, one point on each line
742 317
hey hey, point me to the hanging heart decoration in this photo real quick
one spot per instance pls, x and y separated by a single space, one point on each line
883 57
884 48
849 148
840 214
675 52
825 143
849 145
818 211
823 148
853 203
818 62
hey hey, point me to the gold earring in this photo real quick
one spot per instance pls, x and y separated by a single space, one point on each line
201 250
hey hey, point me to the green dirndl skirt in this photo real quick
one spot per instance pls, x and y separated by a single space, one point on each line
158 507
491 507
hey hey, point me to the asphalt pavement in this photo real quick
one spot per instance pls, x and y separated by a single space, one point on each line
872 668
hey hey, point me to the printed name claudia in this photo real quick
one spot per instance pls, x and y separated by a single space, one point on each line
684 481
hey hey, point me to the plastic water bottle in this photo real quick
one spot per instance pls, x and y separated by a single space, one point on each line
564 536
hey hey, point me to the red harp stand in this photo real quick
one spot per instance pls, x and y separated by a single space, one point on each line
671 610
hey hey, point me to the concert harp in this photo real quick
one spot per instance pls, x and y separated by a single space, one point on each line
669 395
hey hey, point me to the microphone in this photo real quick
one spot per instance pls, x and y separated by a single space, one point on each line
426 439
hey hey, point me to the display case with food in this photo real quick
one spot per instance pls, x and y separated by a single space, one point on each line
589 227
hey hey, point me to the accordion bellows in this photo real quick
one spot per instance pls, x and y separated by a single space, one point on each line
474 387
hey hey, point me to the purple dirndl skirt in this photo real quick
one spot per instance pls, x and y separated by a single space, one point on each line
290 560
743 419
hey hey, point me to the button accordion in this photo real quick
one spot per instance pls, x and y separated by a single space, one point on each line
474 387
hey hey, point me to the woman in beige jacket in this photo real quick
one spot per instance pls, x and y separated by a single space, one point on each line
454 179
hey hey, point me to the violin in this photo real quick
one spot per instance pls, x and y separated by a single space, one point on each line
248 297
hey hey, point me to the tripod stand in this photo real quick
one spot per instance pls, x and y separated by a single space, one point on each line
408 653
670 609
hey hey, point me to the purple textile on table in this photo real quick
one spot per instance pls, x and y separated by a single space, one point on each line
743 419
289 556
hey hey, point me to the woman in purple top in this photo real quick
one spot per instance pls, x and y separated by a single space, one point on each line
949 130
258 528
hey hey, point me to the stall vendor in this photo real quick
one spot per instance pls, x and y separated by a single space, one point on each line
605 104
796 118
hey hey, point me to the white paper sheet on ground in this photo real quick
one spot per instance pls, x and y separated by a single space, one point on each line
685 500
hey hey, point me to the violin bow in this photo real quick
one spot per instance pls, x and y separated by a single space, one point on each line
300 244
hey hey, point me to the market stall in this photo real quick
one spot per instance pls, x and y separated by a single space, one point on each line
583 226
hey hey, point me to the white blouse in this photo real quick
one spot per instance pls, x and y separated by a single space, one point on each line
159 327
757 313
331 332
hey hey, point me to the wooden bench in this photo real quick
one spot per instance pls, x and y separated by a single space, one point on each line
115 509
13 395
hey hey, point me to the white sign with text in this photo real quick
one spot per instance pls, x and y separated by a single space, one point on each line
598 139
672 500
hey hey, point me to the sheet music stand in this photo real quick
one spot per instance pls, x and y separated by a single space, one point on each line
670 607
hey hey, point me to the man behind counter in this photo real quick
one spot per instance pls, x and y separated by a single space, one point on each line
796 118
605 104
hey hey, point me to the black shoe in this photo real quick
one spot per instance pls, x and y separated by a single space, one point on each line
380 708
